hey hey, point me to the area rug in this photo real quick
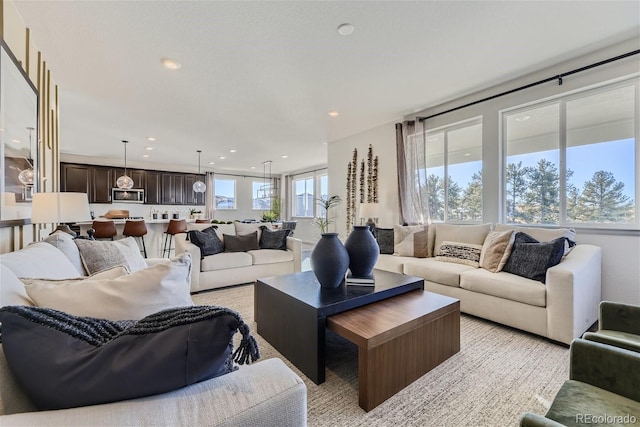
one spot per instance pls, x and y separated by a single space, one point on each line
498 374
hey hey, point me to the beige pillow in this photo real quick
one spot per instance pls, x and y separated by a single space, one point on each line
473 234
460 253
39 260
129 297
496 250
410 240
101 255
110 273
12 291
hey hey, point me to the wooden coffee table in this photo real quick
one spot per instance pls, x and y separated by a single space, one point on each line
291 312
399 340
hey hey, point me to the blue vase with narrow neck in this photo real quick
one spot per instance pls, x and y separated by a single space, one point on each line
329 261
363 251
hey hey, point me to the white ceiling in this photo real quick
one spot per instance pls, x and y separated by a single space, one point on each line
260 77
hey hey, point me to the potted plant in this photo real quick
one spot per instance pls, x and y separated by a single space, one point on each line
324 220
195 213
329 258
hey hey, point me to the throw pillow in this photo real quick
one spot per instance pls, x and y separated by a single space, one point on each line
101 255
243 243
544 234
91 361
273 239
474 234
410 240
384 236
531 259
243 228
39 260
129 297
496 250
12 291
460 253
110 273
64 242
207 240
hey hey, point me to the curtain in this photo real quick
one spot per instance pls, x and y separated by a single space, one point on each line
209 195
412 172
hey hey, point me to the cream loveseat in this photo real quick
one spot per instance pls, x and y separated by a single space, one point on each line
265 393
232 268
560 309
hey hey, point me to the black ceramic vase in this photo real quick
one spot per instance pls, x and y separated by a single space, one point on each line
363 251
329 261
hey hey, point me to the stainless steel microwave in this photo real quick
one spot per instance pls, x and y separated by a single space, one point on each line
134 195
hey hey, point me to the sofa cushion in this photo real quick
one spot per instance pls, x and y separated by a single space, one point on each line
12 291
40 261
460 253
226 260
129 297
474 234
505 285
241 243
531 259
392 263
445 273
98 255
544 234
270 256
207 240
410 240
384 237
274 239
65 244
91 361
496 250
248 228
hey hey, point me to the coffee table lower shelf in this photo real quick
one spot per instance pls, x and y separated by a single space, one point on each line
399 340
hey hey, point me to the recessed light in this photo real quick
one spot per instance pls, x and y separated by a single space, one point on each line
523 118
467 154
170 64
334 113
222 157
253 167
149 148
284 156
17 141
345 29
211 163
232 150
145 155
151 138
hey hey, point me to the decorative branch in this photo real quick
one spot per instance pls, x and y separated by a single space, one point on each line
348 196
354 173
374 180
362 189
370 175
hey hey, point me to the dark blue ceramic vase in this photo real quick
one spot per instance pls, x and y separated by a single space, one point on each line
363 251
329 261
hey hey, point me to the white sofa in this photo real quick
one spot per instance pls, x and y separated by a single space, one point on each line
265 393
561 309
232 268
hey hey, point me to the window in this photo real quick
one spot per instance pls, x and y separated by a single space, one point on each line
323 181
225 193
454 172
261 195
303 197
572 160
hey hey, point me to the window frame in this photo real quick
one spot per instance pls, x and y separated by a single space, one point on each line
235 193
261 183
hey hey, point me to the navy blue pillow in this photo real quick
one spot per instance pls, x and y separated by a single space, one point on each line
530 258
66 361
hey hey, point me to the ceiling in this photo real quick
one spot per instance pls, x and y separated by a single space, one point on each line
261 77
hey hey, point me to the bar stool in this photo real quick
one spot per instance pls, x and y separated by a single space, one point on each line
104 229
203 221
136 228
175 226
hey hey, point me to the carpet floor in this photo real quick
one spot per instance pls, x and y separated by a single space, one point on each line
498 374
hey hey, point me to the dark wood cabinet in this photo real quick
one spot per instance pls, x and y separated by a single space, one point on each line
191 197
75 178
101 184
152 188
137 175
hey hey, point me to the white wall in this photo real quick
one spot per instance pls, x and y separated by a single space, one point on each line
621 250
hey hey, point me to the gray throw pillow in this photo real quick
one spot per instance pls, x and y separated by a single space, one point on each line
243 243
384 236
165 351
531 259
207 240
273 239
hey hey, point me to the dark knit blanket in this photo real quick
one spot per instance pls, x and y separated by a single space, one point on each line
98 332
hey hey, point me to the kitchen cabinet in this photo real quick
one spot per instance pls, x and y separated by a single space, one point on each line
137 175
152 188
190 196
172 189
101 184
75 178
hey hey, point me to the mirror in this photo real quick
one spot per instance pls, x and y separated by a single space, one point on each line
18 138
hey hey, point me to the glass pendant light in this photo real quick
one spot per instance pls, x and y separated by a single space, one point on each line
199 186
26 176
125 182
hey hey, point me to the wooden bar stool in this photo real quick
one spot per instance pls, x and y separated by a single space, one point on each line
104 229
203 221
175 226
136 228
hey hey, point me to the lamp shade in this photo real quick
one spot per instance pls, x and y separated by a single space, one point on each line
60 208
369 210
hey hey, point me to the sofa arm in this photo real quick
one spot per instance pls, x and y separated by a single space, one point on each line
534 420
616 316
183 245
610 368
573 293
295 245
266 393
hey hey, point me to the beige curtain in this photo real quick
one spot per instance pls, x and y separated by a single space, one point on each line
412 172
209 196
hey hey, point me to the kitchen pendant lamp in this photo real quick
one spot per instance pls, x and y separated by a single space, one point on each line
27 176
199 186
125 182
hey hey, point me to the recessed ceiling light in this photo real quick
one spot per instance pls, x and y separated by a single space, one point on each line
232 150
145 155
170 64
345 29
211 163
334 113
149 148
284 156
222 157
467 154
151 138
17 141
253 167
523 118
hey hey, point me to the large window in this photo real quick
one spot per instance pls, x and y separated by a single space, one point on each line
454 172
225 193
572 160
303 197
261 195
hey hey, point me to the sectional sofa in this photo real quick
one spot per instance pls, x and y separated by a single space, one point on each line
560 309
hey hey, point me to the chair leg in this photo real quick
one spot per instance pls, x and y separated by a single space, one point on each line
144 248
164 246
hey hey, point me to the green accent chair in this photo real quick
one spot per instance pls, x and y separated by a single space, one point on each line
619 325
603 389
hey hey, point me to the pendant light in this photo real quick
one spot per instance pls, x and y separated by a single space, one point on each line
199 186
26 176
125 182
